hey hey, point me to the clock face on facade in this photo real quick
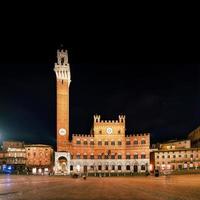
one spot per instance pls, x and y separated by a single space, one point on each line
62 131
109 130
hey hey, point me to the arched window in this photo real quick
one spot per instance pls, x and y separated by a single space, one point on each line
143 167
143 156
78 141
143 141
135 156
135 141
85 156
85 142
78 156
128 156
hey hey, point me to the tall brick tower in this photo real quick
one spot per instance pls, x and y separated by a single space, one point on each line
63 79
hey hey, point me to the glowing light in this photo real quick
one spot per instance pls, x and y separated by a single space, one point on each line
78 167
150 167
168 166
34 170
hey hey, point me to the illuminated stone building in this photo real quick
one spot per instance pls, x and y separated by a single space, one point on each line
194 136
175 155
105 149
34 158
39 158
14 154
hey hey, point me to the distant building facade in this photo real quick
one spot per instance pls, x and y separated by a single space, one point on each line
194 136
39 158
34 158
175 155
13 154
106 149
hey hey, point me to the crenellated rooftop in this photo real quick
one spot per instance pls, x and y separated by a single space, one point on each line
121 119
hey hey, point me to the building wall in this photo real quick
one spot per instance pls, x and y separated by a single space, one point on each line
177 159
194 136
62 114
39 157
105 148
12 144
180 144
15 156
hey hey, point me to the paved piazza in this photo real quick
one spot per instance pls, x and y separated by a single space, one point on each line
44 187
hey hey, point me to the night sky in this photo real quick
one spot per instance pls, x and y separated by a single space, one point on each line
149 78
162 99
